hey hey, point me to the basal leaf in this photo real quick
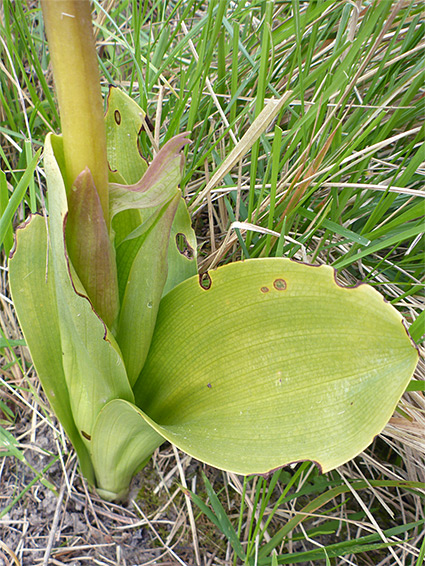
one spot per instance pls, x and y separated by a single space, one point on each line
122 441
34 296
269 361
93 367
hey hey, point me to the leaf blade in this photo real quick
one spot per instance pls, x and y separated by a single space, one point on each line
281 394
122 441
92 363
34 295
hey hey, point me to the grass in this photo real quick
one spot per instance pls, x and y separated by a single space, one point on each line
335 177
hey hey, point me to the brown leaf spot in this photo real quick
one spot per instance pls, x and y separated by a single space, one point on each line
264 289
86 435
279 284
117 117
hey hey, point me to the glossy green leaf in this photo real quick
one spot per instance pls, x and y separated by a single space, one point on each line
143 290
269 361
93 367
122 442
34 296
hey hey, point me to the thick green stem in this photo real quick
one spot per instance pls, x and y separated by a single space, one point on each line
73 55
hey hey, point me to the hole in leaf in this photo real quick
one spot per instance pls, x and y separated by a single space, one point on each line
279 284
117 117
184 247
205 280
87 436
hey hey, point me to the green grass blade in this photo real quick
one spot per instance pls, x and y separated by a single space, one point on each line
17 196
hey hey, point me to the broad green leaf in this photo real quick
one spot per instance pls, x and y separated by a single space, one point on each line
143 290
93 367
269 361
34 296
157 186
122 442
124 122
